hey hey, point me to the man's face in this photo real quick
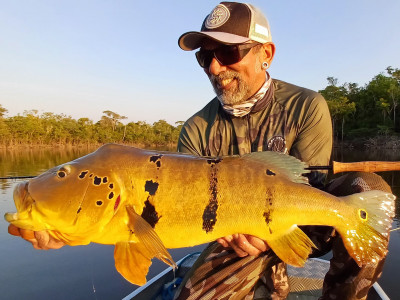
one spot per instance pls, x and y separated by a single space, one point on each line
237 82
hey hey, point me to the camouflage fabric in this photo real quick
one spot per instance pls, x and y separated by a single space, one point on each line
220 274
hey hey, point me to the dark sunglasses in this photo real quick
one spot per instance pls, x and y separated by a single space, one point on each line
225 55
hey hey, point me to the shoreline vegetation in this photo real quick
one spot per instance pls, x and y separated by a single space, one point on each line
32 130
362 117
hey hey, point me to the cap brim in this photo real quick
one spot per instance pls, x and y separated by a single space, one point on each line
194 39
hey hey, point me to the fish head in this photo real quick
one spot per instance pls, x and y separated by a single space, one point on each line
73 201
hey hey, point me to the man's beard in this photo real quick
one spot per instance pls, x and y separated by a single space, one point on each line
239 93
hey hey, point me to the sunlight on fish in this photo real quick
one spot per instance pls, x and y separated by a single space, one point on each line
144 202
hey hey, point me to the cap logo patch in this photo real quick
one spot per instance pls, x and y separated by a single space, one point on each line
217 17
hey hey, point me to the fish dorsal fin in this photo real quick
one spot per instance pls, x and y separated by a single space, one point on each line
293 247
280 163
148 237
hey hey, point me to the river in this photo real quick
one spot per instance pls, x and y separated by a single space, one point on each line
88 272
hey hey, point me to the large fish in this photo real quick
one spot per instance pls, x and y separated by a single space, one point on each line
146 201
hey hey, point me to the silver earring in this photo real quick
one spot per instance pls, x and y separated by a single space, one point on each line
265 65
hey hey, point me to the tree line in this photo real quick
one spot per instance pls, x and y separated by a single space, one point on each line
357 112
32 128
365 111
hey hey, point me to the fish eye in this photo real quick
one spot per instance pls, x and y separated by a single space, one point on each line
363 215
63 171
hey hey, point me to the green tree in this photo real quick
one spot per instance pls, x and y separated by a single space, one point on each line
3 111
112 119
385 92
4 132
339 105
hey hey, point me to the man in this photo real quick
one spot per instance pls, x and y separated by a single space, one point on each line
253 112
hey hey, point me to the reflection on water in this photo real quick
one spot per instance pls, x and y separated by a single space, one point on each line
88 272
32 162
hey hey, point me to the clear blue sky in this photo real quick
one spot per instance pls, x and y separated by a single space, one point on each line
81 57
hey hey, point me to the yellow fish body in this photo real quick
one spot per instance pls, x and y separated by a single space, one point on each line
146 201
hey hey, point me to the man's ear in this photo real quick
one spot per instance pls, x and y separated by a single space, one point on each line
268 52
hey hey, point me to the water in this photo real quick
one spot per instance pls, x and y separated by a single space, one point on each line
88 272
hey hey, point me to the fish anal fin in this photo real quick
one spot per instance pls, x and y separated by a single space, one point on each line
293 247
147 236
132 261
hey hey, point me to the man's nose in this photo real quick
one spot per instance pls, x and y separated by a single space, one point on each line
215 67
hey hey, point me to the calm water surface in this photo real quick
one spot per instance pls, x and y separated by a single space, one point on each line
88 272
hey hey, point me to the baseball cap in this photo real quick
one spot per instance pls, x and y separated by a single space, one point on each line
229 23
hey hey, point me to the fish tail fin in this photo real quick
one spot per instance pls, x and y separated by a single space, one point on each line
366 234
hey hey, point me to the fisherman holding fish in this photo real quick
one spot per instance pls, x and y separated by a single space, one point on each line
252 112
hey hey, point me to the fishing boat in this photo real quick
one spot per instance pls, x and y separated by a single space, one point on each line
305 283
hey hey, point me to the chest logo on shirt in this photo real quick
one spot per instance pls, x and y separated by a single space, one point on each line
277 144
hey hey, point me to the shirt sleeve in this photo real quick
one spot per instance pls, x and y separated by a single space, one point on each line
313 144
189 140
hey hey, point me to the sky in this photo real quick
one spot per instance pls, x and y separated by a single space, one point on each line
82 57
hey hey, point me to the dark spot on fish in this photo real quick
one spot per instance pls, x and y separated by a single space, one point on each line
97 180
110 195
91 175
79 210
156 159
269 196
210 212
150 214
117 202
270 173
111 186
267 217
99 203
61 174
214 160
269 210
105 180
83 174
363 214
151 187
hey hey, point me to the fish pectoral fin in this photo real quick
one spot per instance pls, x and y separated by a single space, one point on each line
149 238
293 247
132 261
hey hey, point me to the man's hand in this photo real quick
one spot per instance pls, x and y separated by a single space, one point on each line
244 244
38 239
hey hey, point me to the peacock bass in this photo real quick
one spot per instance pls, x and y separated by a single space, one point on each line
146 201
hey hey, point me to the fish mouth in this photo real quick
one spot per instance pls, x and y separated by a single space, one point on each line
23 203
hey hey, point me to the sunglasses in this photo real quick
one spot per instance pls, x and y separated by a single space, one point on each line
225 55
